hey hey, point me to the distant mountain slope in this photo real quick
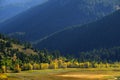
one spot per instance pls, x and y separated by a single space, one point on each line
10 8
56 15
104 33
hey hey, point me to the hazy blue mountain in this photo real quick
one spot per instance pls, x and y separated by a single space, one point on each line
55 15
10 8
104 33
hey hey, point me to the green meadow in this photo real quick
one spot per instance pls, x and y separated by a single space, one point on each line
67 74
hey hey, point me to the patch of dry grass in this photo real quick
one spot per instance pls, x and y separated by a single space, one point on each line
20 48
3 77
65 74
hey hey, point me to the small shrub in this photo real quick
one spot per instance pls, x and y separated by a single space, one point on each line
64 65
74 65
17 68
81 65
30 66
53 66
44 65
36 66
95 65
25 67
87 65
3 68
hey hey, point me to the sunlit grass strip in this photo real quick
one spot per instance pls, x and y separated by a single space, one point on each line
3 76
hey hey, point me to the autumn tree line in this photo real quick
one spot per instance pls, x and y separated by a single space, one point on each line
13 60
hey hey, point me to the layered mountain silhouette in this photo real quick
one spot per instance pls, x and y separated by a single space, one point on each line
55 15
104 33
10 8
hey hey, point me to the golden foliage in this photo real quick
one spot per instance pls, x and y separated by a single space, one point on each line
3 69
44 65
36 66
53 65
17 68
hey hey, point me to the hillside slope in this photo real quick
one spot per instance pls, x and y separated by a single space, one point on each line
104 33
12 46
10 8
56 15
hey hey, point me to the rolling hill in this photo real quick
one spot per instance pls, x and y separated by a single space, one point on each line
11 46
104 33
43 20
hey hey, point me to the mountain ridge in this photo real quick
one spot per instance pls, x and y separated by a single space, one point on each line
100 34
43 20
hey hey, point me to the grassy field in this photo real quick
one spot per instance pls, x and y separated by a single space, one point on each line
67 74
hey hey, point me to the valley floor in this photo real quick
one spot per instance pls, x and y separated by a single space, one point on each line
67 74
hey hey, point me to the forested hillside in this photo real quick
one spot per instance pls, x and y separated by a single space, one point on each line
17 57
103 33
43 20
14 54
